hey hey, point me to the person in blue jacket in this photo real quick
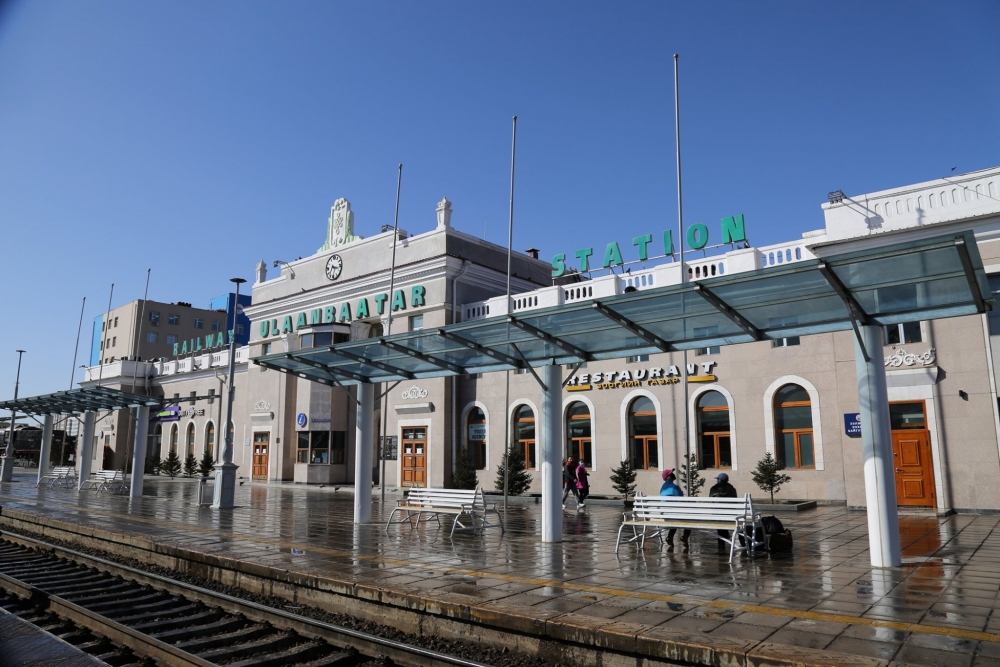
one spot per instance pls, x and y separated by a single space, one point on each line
670 488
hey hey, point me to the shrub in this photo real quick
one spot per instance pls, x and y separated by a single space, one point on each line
767 475
190 466
623 479
207 464
696 481
171 465
519 479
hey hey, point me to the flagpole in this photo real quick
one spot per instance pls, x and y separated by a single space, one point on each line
392 279
680 246
132 416
506 400
72 379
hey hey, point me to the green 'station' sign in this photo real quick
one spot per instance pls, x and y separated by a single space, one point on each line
733 231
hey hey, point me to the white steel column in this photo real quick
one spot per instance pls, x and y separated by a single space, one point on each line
876 436
139 451
364 442
84 448
551 439
43 455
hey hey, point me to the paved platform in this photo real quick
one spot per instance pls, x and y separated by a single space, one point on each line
940 608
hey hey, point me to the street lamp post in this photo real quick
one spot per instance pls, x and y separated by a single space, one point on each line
225 472
7 467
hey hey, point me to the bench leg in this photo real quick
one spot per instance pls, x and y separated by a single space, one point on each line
619 540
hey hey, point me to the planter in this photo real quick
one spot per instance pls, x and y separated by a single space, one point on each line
785 506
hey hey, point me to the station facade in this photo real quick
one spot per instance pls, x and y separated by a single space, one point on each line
796 398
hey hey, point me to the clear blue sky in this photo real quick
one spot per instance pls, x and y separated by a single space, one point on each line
198 138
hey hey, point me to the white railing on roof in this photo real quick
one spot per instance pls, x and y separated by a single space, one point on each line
784 253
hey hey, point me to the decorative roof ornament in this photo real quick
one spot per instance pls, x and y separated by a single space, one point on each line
339 226
444 213
901 358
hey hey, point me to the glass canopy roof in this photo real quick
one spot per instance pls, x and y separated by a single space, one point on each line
92 399
927 279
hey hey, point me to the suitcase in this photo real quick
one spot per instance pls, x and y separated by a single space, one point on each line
780 543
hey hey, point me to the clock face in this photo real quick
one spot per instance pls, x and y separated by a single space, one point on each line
334 266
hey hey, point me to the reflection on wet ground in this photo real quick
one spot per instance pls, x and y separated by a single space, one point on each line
939 608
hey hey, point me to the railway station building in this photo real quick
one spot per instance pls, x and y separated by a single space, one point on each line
794 396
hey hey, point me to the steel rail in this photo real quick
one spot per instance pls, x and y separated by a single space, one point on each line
365 643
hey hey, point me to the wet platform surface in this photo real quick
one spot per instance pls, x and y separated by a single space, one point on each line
940 608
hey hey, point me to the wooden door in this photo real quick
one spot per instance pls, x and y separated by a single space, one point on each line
414 456
911 457
261 443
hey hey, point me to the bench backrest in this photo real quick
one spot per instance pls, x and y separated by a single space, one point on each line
62 471
110 475
651 508
445 498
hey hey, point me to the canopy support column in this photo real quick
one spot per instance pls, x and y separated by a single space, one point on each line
84 448
876 436
43 454
139 451
364 443
552 470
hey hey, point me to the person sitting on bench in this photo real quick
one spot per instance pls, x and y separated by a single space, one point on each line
670 488
722 489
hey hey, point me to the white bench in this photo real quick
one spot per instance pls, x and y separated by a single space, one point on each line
426 504
659 513
107 480
64 476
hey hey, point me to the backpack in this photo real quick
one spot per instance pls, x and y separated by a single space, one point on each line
772 526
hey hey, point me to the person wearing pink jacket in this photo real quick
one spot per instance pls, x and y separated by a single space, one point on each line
582 485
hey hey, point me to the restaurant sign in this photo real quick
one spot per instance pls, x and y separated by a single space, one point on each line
640 377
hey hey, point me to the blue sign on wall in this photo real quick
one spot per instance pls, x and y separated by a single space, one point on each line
852 424
301 420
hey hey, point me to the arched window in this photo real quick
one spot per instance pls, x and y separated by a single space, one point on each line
229 434
476 438
210 439
793 427
642 433
173 439
190 440
714 449
578 428
524 434
153 443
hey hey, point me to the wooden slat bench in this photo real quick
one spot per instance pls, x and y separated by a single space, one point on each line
659 513
64 476
106 480
426 504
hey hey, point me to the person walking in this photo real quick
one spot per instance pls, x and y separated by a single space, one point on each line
569 481
582 485
722 489
670 488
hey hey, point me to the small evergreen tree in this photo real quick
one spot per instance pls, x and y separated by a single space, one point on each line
464 476
171 465
207 464
623 479
190 466
696 481
767 475
519 479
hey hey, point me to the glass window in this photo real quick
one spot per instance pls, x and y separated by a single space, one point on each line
994 315
579 443
199 323
715 450
154 317
524 434
210 439
265 348
190 440
339 446
239 329
701 351
897 334
116 322
216 325
906 416
173 438
785 342
476 439
794 427
637 358
174 319
320 447
302 451
152 337
642 434
416 322
114 341
701 332
171 339
191 397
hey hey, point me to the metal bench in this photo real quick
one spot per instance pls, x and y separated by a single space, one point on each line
659 513
107 480
64 476
426 504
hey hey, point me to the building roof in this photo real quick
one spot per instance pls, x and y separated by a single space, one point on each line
92 399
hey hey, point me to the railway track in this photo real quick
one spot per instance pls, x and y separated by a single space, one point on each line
101 605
